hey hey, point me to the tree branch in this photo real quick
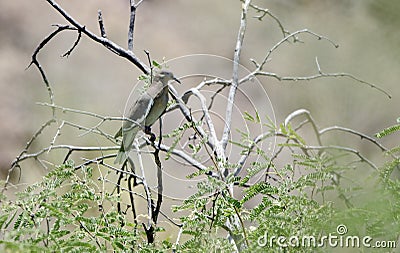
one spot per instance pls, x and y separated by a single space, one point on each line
350 150
235 78
265 12
113 47
310 119
101 24
354 132
187 114
39 66
78 39
131 24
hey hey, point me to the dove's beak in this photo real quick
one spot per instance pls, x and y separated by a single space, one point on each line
177 80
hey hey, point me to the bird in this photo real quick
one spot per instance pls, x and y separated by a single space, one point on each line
147 109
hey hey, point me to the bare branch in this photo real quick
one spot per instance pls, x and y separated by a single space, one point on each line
184 156
235 78
217 80
131 24
95 130
58 133
160 187
320 74
92 114
149 228
15 163
188 93
265 12
220 158
178 238
346 149
310 119
99 160
78 39
209 121
285 39
323 75
137 5
101 24
66 147
187 114
351 131
39 66
130 56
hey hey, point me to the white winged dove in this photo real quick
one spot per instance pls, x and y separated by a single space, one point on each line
147 109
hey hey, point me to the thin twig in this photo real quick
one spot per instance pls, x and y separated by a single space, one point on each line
209 121
350 150
113 47
146 189
322 75
269 13
66 147
188 116
351 131
78 39
145 198
307 113
279 43
58 133
91 130
92 114
220 158
181 154
178 238
101 24
15 163
131 182
97 160
39 66
160 187
131 24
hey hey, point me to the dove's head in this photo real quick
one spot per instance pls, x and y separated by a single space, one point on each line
165 76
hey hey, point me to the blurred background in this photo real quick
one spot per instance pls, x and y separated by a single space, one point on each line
94 79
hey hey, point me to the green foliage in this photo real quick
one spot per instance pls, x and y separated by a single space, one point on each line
66 212
305 197
147 78
387 131
176 134
249 117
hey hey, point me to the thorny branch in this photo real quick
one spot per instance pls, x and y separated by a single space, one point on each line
113 47
259 66
39 66
78 39
267 12
273 133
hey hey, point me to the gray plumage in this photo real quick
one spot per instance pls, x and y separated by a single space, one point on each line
147 109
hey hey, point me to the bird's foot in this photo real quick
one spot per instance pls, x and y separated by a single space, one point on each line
147 130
